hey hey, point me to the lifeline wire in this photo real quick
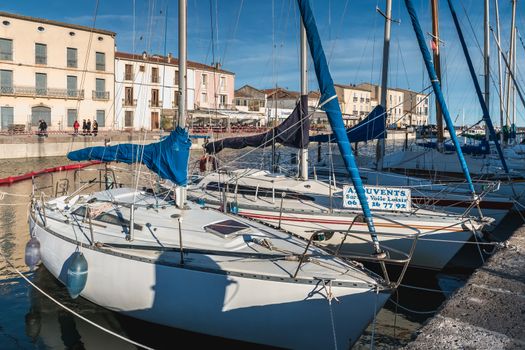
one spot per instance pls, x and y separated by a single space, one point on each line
71 311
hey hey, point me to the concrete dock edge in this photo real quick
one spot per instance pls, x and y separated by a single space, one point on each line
488 312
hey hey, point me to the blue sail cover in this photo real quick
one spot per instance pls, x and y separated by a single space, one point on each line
482 148
436 85
293 132
370 128
329 103
167 158
486 115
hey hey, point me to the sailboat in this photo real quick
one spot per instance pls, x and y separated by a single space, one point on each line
155 256
305 207
487 163
451 197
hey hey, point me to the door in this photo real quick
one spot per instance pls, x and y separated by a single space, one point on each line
155 120
40 113
6 117
41 83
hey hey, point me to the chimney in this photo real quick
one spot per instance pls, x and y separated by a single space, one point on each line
169 57
217 65
144 55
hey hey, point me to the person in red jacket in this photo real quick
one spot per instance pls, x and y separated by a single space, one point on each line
76 125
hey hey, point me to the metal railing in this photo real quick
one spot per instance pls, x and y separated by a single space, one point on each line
30 91
129 103
100 95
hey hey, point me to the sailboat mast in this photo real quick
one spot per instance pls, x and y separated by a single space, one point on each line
303 170
437 67
384 80
511 56
486 62
514 69
181 120
500 83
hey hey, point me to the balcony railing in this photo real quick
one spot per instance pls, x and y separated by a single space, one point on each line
100 66
155 103
155 79
100 95
128 76
129 103
30 91
72 63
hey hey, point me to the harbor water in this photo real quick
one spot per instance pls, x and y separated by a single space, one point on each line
30 320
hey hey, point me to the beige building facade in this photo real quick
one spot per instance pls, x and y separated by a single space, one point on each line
56 72
214 87
355 102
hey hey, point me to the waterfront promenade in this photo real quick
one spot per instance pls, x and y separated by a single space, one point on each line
59 143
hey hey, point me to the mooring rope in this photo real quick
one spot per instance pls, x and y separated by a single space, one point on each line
70 310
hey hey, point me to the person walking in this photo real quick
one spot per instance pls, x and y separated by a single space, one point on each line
76 125
88 126
84 127
95 128
44 128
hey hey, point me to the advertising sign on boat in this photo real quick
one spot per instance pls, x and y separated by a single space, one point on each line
379 198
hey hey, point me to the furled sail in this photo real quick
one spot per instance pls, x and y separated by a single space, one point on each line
329 103
293 132
167 158
370 128
436 85
484 107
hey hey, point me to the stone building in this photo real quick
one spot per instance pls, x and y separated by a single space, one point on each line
53 71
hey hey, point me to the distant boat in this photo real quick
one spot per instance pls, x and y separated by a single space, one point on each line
177 263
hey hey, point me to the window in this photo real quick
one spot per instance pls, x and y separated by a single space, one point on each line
177 77
72 86
154 75
72 115
204 97
204 80
128 97
100 61
100 90
40 53
6 82
6 117
222 83
237 102
128 119
223 100
72 57
154 97
41 83
6 49
101 118
128 72
41 29
142 68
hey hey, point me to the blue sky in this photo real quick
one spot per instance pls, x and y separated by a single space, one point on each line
259 41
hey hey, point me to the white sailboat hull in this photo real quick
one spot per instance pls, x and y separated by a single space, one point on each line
434 249
297 315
